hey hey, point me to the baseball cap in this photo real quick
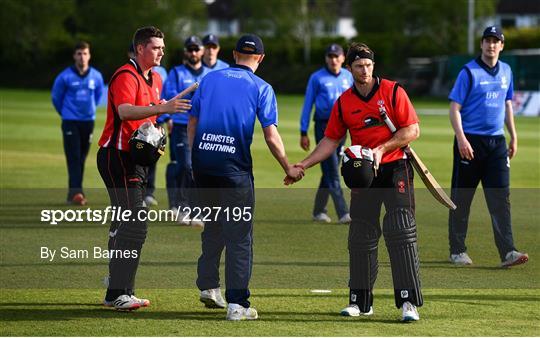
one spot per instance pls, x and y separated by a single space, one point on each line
493 31
250 44
193 41
210 39
334 49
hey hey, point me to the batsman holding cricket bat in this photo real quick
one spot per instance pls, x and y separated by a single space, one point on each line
358 111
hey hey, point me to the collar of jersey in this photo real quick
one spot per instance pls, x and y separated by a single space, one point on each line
76 71
235 65
193 70
371 93
493 71
138 69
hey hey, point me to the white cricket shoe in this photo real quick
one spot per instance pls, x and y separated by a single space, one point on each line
212 299
123 303
322 217
352 310
514 258
238 312
182 218
410 313
345 219
141 301
461 259
150 201
197 223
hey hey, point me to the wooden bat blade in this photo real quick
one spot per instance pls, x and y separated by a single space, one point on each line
431 183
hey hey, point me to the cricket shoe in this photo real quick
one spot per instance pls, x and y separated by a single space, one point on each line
141 301
354 311
238 312
410 313
78 199
322 218
514 258
461 259
212 299
150 201
182 218
345 219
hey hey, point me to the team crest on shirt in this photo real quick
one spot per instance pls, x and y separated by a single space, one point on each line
91 84
504 84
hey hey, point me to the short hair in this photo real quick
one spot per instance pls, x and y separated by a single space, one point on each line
358 49
81 45
143 35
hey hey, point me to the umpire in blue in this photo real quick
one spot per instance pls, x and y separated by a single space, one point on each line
75 94
480 106
220 129
323 89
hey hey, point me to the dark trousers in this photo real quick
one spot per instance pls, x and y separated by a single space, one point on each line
330 184
125 182
234 235
182 174
490 166
394 187
170 175
151 180
77 137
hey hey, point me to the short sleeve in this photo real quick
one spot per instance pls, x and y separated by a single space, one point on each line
335 128
124 89
510 92
461 88
404 112
267 112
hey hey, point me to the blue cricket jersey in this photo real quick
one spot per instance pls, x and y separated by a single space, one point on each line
217 66
161 71
482 93
323 89
76 96
179 78
226 104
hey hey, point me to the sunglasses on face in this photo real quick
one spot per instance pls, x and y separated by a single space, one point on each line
193 49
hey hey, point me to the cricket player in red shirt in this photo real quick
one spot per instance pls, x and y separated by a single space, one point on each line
358 111
134 98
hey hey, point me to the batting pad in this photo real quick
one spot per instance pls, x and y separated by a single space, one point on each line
399 229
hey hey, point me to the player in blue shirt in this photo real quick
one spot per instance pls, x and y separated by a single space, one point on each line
480 106
179 174
221 126
75 94
323 89
211 51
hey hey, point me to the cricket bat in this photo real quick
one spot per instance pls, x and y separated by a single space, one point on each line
431 183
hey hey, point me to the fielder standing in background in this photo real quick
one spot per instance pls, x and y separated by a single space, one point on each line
211 52
179 176
221 126
323 89
358 111
134 98
480 106
75 95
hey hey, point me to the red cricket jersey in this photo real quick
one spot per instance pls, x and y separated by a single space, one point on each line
128 85
360 115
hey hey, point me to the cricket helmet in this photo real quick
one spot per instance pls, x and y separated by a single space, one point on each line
357 167
147 144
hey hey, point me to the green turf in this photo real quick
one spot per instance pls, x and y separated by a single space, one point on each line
291 254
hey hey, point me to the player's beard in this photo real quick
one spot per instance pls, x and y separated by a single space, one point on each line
193 60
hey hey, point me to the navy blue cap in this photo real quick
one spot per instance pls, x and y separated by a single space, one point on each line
210 39
193 41
334 49
250 44
493 31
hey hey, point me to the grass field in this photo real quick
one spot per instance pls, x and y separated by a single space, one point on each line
292 255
